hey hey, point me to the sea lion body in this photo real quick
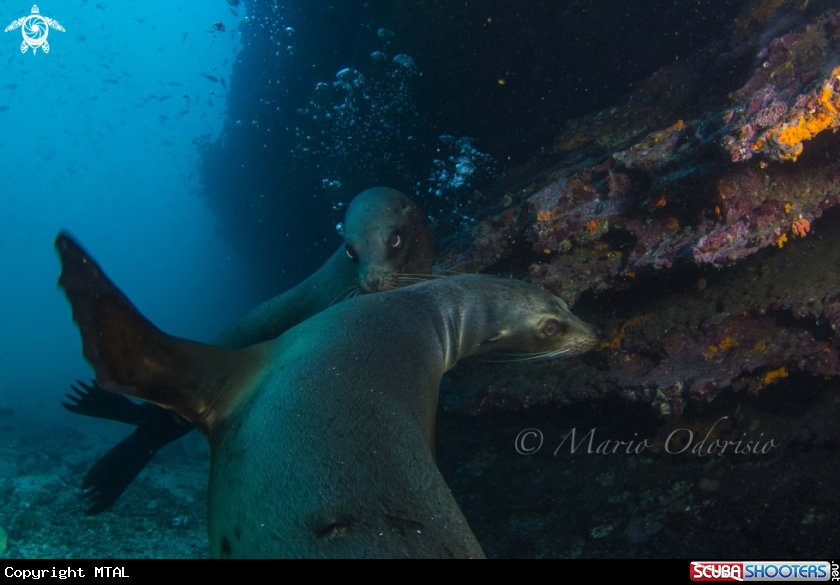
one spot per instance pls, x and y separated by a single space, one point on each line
322 439
373 219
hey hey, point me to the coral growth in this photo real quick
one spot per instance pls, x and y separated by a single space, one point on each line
819 111
801 227
662 182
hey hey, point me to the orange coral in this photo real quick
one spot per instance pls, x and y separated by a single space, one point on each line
773 376
543 216
790 135
722 346
787 207
575 142
782 241
592 226
618 335
801 227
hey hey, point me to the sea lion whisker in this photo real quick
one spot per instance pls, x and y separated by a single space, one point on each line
353 293
421 275
410 279
343 294
546 355
448 272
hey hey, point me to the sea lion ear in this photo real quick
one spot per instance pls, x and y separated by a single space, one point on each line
131 356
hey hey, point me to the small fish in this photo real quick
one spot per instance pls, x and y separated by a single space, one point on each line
222 80
93 98
3 108
6 412
210 77
140 20
126 74
11 86
164 98
175 84
81 38
111 81
167 142
184 38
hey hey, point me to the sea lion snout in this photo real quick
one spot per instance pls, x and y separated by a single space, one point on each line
378 281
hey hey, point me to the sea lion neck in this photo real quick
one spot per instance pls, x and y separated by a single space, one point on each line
464 311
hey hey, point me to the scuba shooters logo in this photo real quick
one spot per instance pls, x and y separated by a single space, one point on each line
35 29
792 571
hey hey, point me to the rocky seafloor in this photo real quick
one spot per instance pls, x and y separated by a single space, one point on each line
656 504
161 515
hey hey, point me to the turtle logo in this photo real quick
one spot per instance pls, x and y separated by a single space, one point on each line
35 29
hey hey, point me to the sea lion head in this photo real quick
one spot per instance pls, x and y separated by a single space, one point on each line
387 237
522 321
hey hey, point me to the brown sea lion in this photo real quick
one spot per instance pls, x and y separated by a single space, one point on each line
387 244
322 439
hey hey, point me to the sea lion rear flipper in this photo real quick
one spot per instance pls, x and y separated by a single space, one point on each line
98 403
131 356
109 477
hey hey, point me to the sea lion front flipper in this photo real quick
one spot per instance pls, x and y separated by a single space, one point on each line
109 477
131 356
99 403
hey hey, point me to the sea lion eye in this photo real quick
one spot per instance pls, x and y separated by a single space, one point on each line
551 328
351 253
395 241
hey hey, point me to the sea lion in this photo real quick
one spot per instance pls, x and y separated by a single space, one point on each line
385 235
321 440
387 244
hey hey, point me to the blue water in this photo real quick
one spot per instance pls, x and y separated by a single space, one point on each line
98 140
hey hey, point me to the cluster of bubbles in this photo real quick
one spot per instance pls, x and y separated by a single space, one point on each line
458 170
364 126
364 123
451 198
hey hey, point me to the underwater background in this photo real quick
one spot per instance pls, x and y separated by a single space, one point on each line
668 169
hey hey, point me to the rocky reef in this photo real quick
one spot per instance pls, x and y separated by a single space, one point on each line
693 223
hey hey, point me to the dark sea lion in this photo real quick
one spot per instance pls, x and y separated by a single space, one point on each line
321 440
385 236
387 244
